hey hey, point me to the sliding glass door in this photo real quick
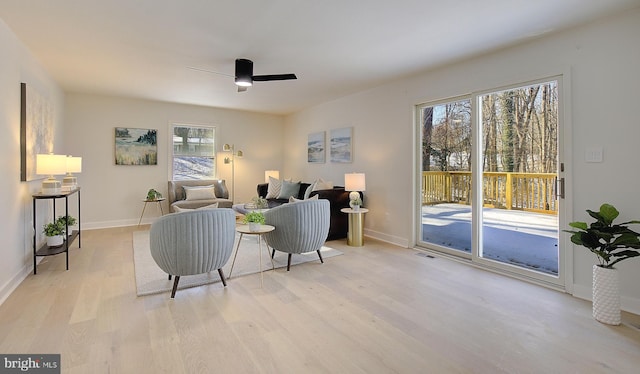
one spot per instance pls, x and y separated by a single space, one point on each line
501 146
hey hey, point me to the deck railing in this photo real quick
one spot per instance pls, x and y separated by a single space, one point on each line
518 191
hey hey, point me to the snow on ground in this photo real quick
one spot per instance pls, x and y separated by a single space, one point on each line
516 237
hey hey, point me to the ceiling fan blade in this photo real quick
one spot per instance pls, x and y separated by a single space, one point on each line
274 77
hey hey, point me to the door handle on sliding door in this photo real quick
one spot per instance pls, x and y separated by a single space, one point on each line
560 188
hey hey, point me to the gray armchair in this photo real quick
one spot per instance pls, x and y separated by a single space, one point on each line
301 227
194 242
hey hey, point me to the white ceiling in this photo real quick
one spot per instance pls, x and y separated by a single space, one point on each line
143 48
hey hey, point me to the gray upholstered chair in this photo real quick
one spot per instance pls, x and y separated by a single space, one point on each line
301 227
194 242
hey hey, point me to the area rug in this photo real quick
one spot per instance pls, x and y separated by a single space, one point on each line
150 279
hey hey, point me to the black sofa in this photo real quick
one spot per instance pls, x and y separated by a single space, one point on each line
338 199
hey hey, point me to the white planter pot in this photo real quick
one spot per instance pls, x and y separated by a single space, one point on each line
55 241
606 295
254 226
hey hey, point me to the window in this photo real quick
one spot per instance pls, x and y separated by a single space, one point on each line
193 152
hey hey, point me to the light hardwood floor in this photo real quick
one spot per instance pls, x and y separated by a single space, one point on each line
376 309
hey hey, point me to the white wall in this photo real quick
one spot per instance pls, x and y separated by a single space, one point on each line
112 195
600 63
17 66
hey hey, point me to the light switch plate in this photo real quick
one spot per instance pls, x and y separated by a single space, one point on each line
593 154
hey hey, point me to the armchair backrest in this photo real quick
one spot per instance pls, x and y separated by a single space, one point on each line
193 242
301 227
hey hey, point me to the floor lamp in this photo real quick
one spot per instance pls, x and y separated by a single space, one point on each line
231 160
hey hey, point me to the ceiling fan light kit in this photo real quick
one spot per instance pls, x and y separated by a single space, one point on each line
244 72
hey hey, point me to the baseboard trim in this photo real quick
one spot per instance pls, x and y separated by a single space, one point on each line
395 240
13 283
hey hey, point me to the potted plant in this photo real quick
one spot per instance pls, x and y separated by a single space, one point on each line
254 219
260 202
54 231
153 195
611 243
67 221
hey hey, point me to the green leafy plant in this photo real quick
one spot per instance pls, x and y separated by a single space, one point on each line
69 220
254 217
610 242
53 229
58 226
152 194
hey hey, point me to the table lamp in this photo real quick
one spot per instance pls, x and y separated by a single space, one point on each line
354 182
51 165
74 165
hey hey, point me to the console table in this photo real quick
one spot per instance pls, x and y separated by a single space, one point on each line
45 250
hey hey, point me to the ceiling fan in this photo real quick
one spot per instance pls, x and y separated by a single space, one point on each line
244 75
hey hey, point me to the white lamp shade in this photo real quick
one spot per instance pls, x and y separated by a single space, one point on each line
50 164
354 182
271 173
74 164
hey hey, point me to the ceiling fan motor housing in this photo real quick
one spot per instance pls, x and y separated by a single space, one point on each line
244 72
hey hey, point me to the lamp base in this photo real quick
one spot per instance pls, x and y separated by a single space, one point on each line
69 182
51 186
354 195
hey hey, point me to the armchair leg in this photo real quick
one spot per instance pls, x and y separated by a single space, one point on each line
224 281
169 276
175 286
320 255
289 262
273 253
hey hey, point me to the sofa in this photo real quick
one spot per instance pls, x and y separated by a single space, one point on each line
202 198
338 199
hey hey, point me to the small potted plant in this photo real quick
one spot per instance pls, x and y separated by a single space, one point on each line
153 195
254 220
611 243
67 221
54 231
260 202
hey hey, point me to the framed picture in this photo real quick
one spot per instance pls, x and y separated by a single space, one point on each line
316 148
136 146
341 142
36 130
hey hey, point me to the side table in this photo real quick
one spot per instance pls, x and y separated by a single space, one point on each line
356 226
159 201
263 229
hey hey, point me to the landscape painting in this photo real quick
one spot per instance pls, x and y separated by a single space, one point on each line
316 147
136 146
341 144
